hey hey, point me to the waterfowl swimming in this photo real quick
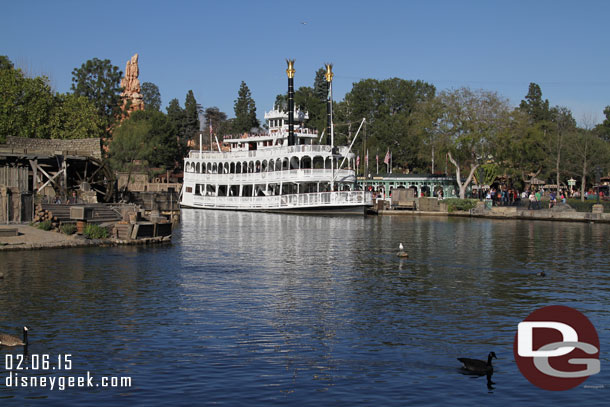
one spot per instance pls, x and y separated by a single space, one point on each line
10 340
541 274
401 251
479 366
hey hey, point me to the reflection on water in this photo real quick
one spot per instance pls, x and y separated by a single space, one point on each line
275 309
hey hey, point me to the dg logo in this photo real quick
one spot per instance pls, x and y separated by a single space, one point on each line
556 348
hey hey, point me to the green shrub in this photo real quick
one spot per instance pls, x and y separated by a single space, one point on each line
456 204
93 231
46 225
68 228
587 205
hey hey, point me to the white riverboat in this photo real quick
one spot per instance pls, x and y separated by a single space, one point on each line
282 170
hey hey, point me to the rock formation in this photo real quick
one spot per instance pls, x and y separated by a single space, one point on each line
132 96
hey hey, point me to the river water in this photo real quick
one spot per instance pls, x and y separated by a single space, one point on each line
267 309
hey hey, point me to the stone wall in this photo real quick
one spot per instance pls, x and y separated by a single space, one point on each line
87 147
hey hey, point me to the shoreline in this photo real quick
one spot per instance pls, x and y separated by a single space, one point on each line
509 213
31 238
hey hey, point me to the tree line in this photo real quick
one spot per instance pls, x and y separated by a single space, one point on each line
470 134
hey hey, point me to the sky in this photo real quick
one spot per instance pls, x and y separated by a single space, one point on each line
211 46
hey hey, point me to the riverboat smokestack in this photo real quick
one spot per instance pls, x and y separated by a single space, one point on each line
329 103
290 72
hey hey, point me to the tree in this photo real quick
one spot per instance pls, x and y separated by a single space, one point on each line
25 103
151 96
535 107
564 126
5 63
470 123
191 116
245 110
163 150
99 81
520 148
215 121
388 106
130 142
603 129
74 117
176 117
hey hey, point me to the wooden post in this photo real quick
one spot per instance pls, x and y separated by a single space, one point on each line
65 170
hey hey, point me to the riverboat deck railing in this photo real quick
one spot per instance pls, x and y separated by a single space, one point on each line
268 152
302 175
315 199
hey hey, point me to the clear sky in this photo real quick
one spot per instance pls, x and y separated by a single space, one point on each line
211 46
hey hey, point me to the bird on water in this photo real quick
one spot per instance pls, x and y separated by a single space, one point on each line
479 366
10 340
401 251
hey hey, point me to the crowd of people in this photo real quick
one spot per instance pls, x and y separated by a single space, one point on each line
504 196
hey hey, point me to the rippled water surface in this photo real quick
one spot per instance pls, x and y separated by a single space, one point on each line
265 309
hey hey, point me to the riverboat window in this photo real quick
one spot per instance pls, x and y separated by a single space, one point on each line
189 190
246 190
306 162
234 190
210 190
251 146
318 162
222 190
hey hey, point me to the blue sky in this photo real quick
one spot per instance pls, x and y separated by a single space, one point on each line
211 46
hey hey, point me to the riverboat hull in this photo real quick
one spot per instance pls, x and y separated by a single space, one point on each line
326 203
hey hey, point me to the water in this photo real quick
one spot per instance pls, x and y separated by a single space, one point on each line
265 309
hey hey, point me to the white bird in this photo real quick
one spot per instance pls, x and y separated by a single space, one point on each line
401 251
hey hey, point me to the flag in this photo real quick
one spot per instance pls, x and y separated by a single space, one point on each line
366 157
387 157
358 161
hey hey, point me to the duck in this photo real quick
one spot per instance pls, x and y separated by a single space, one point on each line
541 274
401 251
479 366
10 340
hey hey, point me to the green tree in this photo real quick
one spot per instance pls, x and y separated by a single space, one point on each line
99 81
603 129
388 106
74 117
520 148
533 104
130 142
245 110
151 96
25 103
162 148
5 63
216 120
191 116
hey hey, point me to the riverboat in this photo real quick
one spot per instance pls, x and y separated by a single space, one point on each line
286 169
